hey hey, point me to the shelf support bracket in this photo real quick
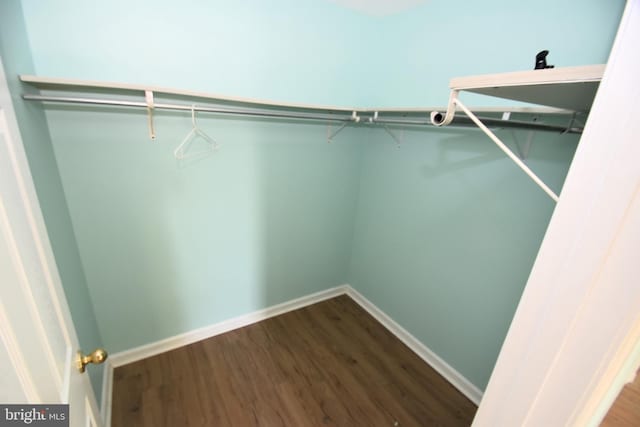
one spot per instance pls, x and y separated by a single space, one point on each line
571 123
331 135
396 138
506 150
523 150
355 118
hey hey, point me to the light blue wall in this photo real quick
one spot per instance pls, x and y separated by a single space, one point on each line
169 248
445 228
417 53
446 233
290 50
16 58
313 51
166 247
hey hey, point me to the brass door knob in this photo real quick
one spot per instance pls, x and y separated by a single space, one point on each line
96 357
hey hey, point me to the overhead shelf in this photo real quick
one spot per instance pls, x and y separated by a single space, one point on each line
152 98
565 90
84 87
572 88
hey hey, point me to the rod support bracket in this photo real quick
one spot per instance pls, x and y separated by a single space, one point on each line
148 97
437 119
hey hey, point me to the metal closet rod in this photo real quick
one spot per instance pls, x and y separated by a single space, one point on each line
355 117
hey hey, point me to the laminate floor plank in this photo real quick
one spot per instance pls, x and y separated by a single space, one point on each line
129 390
625 411
374 358
329 364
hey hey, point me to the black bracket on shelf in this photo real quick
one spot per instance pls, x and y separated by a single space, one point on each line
541 60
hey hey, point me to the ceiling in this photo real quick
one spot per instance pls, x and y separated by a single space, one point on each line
379 7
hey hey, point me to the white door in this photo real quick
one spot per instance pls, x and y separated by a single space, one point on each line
38 340
575 337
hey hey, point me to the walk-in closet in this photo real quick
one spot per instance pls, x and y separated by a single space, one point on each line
319 212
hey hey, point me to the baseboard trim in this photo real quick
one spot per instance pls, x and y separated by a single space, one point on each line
171 343
465 386
107 392
152 349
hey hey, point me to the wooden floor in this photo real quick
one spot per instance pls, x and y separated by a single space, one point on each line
625 411
327 364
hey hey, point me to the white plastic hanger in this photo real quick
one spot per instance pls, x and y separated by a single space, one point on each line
180 152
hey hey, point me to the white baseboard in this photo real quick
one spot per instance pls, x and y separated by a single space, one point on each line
171 343
465 386
107 392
